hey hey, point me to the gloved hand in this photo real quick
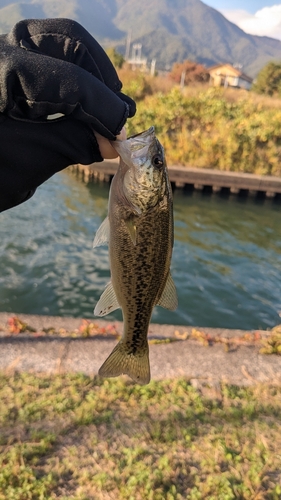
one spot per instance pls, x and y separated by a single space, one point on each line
47 67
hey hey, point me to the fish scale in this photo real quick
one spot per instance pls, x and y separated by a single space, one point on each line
139 231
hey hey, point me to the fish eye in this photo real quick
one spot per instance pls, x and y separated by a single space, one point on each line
157 160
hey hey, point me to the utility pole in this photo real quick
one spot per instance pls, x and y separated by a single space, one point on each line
152 67
182 79
128 45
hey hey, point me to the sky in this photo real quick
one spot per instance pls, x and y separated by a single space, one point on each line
257 17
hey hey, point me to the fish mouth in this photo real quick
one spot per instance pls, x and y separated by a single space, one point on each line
136 141
144 135
136 147
140 143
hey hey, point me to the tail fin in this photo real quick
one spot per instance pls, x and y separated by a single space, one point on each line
121 360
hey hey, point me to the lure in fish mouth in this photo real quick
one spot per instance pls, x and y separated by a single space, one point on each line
139 233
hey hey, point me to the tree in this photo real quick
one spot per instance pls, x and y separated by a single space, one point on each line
269 80
116 58
189 72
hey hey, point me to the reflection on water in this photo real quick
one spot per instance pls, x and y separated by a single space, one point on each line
226 262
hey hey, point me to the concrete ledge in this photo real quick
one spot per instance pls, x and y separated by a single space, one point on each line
241 364
199 178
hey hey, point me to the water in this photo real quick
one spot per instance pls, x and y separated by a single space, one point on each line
226 261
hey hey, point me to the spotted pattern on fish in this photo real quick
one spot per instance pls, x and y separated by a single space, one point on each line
140 268
150 261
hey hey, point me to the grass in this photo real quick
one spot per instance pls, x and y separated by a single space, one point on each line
79 438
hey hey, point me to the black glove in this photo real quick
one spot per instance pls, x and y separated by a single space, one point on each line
47 67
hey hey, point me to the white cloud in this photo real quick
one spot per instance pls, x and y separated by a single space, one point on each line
265 22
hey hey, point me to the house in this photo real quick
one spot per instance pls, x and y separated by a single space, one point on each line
226 75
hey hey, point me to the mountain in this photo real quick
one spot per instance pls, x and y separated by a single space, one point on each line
169 30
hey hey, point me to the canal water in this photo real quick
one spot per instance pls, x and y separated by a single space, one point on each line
226 262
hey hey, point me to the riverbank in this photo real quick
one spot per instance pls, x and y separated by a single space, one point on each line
210 129
52 345
203 179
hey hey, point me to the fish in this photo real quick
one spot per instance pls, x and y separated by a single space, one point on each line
139 231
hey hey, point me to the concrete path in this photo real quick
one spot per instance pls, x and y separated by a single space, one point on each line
171 355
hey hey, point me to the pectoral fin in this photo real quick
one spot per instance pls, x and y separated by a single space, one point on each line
169 298
108 302
132 228
102 234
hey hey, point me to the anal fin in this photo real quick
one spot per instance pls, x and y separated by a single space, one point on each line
169 298
107 303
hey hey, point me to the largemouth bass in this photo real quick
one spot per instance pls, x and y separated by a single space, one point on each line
139 232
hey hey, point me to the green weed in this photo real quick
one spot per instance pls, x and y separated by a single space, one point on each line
272 344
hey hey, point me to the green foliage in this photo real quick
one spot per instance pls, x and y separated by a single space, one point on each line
73 437
209 131
269 80
116 58
137 85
